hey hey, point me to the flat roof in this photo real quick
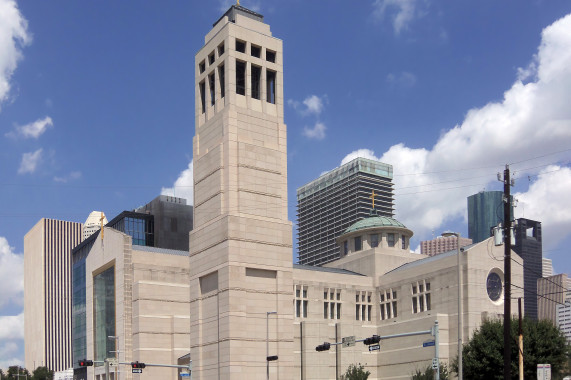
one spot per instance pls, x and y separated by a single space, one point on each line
359 164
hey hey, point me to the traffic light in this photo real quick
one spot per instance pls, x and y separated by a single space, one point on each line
323 347
372 340
85 363
138 365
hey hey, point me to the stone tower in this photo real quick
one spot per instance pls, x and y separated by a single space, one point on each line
241 244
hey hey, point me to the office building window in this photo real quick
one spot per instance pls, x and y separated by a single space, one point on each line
403 241
256 80
255 51
221 49
345 247
270 56
240 46
358 243
211 58
271 86
240 78
201 67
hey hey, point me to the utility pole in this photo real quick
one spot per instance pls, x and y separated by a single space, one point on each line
520 348
507 274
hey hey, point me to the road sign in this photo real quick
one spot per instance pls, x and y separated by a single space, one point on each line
434 363
374 347
348 341
184 374
428 343
137 370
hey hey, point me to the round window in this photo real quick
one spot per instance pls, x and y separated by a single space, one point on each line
494 286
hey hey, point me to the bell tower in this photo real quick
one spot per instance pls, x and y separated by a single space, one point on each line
241 244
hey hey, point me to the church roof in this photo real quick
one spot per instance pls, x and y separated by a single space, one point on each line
374 222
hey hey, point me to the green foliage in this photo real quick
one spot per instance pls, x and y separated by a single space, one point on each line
42 373
429 373
15 370
483 355
356 372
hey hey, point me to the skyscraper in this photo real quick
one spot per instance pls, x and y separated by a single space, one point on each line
528 247
93 223
47 293
337 199
485 210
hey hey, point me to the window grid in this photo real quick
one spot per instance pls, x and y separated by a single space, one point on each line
388 304
301 301
331 303
421 300
363 306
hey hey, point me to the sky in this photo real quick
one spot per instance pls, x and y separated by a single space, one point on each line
97 110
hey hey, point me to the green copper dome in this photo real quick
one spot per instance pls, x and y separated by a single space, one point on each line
374 222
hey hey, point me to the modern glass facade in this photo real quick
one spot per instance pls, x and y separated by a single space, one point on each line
139 226
79 341
485 210
104 313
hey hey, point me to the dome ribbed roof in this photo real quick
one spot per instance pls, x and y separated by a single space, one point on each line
374 222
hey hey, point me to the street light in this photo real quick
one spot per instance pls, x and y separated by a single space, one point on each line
268 359
457 234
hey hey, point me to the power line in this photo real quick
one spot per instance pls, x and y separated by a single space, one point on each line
538 295
541 276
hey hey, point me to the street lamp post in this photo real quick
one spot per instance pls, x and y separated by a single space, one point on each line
268 342
457 234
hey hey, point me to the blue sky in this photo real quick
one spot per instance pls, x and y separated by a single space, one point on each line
97 109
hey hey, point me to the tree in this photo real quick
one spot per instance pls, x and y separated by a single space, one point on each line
42 373
356 372
483 355
428 373
14 371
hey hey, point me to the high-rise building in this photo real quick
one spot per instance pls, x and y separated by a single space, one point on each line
47 293
564 312
172 219
485 210
94 221
442 244
329 204
528 247
551 292
547 267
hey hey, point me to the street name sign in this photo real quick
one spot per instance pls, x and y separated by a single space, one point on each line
428 343
137 370
348 341
374 347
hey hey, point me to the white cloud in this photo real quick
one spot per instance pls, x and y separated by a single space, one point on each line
183 186
317 132
312 105
12 275
32 130
404 79
532 120
13 37
405 11
11 327
30 162
545 197
70 177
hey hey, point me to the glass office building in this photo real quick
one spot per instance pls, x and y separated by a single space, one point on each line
485 210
